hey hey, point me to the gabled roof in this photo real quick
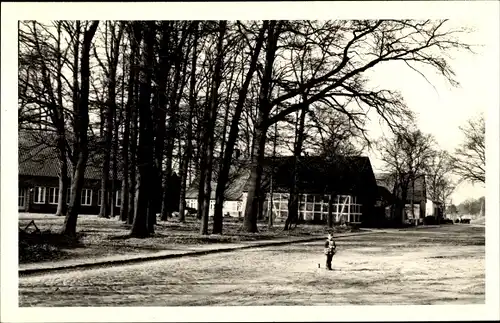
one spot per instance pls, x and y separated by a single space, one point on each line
234 191
316 174
386 180
390 181
417 192
38 156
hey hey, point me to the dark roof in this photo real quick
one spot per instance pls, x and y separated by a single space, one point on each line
341 174
316 174
234 190
388 181
38 156
418 191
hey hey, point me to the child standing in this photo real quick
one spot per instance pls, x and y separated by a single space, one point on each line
330 249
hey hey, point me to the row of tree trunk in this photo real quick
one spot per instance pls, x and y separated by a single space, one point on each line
285 67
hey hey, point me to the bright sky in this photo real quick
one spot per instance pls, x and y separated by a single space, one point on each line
441 110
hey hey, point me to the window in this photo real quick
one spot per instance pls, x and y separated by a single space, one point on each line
53 195
39 197
192 203
21 201
212 204
346 209
86 196
118 199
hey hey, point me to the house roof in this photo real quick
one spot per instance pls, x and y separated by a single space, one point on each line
316 174
38 156
386 180
417 192
389 181
234 191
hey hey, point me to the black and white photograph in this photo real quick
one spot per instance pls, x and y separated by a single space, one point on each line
250 161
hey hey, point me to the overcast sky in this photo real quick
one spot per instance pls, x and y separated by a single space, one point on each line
442 108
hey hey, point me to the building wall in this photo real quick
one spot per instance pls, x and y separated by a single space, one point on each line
40 195
312 207
315 207
231 208
419 209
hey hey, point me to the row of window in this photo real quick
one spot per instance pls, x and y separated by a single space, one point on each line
344 207
229 206
40 194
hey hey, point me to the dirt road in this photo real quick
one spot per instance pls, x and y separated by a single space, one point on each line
427 266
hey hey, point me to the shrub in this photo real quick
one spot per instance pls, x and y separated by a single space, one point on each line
446 221
38 252
44 245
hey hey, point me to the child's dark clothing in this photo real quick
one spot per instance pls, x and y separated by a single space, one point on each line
329 251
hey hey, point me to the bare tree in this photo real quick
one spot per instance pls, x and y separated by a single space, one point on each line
406 156
210 124
112 41
469 159
189 131
140 227
179 61
355 47
81 123
233 132
439 183
43 57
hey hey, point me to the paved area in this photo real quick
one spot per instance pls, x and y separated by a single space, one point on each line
435 266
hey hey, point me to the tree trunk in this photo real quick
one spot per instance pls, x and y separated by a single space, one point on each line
271 216
209 134
63 174
81 123
136 37
402 204
61 134
111 129
133 158
259 140
140 228
166 208
114 169
160 113
126 133
233 132
123 120
108 137
189 144
252 205
202 152
293 201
